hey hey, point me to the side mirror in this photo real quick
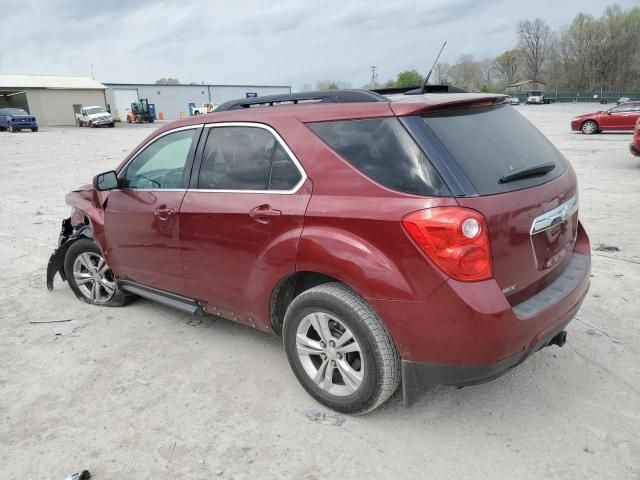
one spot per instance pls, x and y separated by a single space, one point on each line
106 181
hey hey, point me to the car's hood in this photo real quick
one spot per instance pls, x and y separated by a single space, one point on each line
590 114
99 115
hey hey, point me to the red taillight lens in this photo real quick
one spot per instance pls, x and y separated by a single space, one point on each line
455 239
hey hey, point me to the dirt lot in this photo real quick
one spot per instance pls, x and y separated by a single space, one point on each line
147 392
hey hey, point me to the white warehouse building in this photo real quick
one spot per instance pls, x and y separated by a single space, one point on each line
52 99
172 102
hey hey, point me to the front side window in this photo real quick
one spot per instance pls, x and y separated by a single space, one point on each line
629 107
161 164
245 158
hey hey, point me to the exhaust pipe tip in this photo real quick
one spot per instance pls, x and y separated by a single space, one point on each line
560 339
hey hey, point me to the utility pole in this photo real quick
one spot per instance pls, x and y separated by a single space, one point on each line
92 75
373 76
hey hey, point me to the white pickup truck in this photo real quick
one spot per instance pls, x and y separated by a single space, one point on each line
94 117
206 108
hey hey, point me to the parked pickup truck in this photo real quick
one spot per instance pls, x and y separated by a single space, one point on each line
206 108
537 98
94 117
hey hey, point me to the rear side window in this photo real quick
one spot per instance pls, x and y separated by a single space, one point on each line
246 158
284 174
382 149
489 143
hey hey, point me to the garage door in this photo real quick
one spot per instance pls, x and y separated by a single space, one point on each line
123 99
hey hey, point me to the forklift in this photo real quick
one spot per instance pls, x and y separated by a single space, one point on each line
140 112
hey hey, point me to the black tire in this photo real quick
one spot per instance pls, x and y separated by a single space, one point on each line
381 369
2 129
11 129
112 124
589 127
82 246
34 130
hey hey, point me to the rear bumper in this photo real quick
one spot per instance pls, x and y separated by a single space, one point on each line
467 332
418 376
634 149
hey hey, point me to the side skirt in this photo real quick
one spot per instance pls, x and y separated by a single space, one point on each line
184 304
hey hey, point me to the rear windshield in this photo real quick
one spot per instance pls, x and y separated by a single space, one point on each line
382 149
489 143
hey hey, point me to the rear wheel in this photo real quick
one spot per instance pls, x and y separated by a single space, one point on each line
12 129
339 349
589 127
90 277
34 129
112 124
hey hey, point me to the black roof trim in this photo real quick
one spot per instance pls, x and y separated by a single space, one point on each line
110 84
417 90
323 96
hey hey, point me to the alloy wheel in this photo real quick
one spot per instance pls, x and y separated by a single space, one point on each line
589 127
330 354
94 278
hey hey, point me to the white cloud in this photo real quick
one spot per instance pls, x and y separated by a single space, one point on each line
252 41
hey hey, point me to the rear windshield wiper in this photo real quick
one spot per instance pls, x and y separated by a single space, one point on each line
533 170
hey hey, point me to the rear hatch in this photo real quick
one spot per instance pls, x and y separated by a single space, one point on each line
520 182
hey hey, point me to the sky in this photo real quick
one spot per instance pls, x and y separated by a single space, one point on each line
259 42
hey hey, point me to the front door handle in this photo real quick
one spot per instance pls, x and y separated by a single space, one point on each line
264 213
163 213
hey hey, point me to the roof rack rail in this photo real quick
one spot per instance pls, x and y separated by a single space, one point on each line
323 96
417 90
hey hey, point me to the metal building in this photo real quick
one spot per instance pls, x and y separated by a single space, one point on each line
52 99
175 101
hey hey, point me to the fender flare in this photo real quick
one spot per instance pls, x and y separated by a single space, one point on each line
68 235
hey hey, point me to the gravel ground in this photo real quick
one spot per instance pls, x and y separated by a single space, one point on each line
147 392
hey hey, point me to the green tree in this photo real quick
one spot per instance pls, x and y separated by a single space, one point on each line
409 78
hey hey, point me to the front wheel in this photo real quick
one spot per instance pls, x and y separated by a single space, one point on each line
340 350
90 277
12 129
589 127
34 130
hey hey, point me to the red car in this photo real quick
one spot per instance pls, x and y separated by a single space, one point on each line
634 146
432 239
620 117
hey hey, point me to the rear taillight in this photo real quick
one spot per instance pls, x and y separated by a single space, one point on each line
455 239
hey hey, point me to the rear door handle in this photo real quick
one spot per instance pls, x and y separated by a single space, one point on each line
264 213
163 213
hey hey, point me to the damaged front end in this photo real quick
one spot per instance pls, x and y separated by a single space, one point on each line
68 234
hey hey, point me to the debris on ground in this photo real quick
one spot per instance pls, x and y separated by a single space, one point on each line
52 321
330 419
595 331
83 475
194 322
603 247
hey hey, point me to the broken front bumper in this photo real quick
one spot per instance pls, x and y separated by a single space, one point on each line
68 234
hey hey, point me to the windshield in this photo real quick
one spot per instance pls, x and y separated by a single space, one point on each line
13 111
489 144
92 110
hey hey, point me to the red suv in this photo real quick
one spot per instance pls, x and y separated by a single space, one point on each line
430 239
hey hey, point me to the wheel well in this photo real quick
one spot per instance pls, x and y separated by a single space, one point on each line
289 288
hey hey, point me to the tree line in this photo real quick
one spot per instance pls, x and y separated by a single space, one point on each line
589 54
